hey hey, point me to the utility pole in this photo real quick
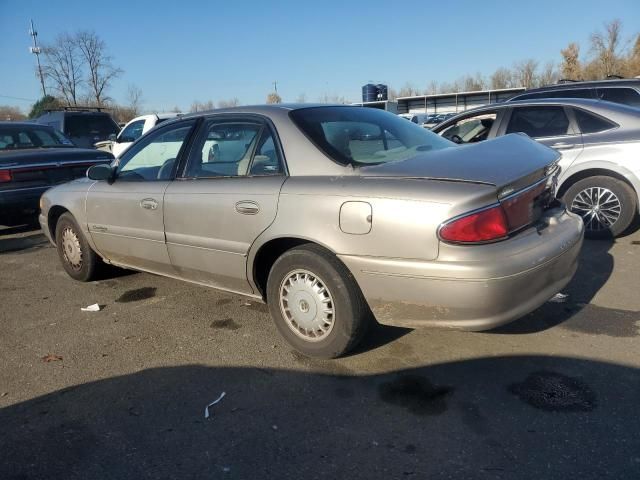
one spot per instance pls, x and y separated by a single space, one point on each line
36 51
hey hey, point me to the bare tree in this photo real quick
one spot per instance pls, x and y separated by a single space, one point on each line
134 98
632 67
302 98
9 113
432 88
198 106
233 102
606 49
472 84
273 97
408 90
549 74
63 68
571 68
525 72
501 78
100 70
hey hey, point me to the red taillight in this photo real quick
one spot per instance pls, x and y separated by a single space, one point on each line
483 226
5 176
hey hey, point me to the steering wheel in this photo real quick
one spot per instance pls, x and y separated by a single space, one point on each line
456 139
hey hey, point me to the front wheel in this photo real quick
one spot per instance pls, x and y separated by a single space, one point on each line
607 205
316 303
77 257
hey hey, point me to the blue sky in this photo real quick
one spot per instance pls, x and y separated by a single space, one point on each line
178 52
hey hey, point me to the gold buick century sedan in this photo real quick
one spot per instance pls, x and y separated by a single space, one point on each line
335 216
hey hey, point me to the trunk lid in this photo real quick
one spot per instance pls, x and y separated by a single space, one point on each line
522 171
509 163
44 167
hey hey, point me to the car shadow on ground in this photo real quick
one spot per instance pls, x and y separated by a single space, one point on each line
528 417
594 269
21 234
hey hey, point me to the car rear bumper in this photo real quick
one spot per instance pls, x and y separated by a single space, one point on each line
14 200
474 287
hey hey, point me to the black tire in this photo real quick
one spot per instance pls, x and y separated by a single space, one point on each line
351 316
86 268
626 196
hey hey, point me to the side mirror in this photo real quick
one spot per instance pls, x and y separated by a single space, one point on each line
112 137
101 172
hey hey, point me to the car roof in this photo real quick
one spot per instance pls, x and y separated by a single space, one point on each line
611 110
614 82
265 109
23 124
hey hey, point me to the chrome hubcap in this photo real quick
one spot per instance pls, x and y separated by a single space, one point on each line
599 207
307 305
71 248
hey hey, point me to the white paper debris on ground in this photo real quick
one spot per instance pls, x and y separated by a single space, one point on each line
206 409
91 308
559 298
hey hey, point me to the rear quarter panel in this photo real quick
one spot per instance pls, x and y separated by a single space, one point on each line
405 213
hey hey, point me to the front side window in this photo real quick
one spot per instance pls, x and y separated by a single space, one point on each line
155 158
590 123
539 121
364 136
471 129
626 96
132 132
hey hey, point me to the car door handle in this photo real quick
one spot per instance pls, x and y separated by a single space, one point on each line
562 146
149 203
247 207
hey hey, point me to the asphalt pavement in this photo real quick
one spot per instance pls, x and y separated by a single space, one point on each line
121 393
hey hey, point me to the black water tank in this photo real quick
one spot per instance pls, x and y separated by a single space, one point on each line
369 92
382 92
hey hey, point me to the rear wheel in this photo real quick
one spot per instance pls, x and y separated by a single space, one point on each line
316 303
77 257
607 205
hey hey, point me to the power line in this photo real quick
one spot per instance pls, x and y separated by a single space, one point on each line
18 98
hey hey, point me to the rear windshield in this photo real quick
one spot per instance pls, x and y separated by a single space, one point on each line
90 126
27 136
364 136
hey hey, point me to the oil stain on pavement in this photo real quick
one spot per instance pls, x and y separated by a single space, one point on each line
416 394
137 295
225 324
554 392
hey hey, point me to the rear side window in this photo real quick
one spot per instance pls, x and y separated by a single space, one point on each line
590 123
89 125
626 96
539 121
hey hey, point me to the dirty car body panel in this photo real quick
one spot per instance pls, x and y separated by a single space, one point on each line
249 178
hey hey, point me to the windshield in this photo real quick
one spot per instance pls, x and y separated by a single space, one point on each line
21 137
364 136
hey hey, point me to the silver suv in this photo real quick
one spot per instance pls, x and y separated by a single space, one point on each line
600 146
